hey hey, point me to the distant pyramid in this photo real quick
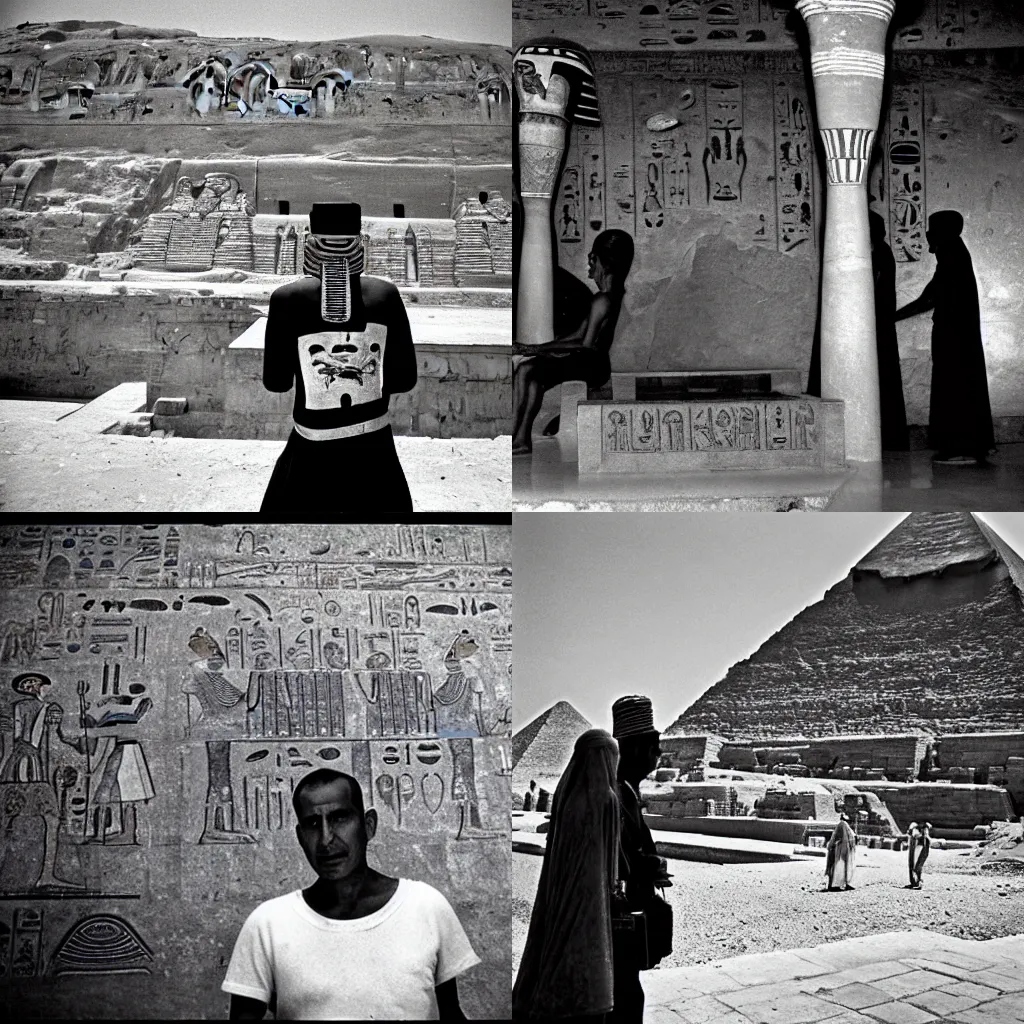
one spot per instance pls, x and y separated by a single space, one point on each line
926 632
542 748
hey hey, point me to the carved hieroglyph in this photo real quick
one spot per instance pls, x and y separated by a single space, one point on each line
718 426
848 40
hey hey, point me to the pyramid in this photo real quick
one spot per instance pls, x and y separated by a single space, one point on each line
925 634
542 748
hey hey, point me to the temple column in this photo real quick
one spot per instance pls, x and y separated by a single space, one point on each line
848 68
555 88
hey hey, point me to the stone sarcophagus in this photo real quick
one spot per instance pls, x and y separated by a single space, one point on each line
779 432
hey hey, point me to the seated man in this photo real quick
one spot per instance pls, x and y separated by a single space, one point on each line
582 355
355 945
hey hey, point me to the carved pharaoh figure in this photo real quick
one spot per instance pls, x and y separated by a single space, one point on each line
343 340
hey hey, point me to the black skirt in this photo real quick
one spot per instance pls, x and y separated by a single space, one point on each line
351 474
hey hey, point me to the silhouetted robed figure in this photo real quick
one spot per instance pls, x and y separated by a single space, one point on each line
960 419
890 380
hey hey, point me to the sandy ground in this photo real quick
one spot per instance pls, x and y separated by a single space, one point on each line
730 909
45 469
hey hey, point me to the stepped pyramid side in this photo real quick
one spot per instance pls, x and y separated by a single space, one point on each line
543 747
916 638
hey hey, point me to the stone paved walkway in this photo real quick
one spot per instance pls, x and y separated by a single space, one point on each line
907 977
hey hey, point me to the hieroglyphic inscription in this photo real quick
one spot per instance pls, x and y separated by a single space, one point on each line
725 157
794 156
716 426
671 144
904 162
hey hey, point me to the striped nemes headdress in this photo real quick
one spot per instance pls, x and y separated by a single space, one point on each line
334 251
632 716
573 63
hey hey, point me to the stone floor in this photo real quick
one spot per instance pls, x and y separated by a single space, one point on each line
49 465
904 482
909 977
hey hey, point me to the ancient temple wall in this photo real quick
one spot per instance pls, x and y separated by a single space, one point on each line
193 674
61 341
728 243
722 208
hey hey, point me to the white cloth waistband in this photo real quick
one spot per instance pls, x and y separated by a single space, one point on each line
334 433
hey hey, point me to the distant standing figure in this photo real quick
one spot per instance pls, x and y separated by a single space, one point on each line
530 797
581 355
890 380
842 849
960 419
917 852
566 970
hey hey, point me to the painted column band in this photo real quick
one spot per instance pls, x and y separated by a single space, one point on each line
866 8
847 154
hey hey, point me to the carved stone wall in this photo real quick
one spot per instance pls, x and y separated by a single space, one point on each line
173 683
89 71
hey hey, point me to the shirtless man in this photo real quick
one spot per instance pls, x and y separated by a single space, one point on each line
582 355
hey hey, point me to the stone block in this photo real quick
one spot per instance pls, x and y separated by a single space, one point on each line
572 393
170 406
666 437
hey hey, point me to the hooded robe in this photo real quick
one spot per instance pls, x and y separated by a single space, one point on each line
566 970
960 418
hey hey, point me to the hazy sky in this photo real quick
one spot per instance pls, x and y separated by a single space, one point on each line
665 603
485 21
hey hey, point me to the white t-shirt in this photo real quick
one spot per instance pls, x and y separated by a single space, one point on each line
383 966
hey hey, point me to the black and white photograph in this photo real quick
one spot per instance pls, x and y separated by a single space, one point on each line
768 769
233 237
778 238
254 768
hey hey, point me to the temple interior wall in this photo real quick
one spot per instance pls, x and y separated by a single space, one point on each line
728 236
196 673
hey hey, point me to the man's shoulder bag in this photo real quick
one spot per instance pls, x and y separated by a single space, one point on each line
642 935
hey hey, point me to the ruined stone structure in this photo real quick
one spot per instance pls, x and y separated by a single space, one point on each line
77 70
165 687
924 634
708 154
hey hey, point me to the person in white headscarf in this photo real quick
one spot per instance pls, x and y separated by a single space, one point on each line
842 850
566 970
918 848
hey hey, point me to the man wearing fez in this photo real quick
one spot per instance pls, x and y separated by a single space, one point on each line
640 867
960 417
343 340
356 944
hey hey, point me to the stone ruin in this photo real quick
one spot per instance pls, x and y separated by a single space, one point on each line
104 71
210 223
